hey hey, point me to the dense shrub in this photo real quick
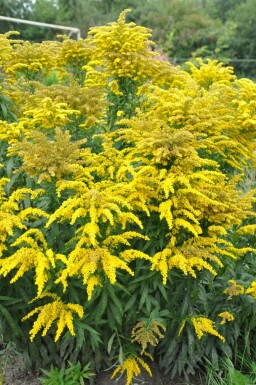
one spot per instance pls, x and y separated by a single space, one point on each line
123 203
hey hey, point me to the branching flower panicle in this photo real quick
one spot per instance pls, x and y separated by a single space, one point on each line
204 325
226 317
147 333
131 366
234 289
51 312
50 158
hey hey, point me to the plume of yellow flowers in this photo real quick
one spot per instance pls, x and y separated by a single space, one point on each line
31 59
204 325
6 47
147 332
11 217
252 289
131 366
121 48
49 114
51 312
50 158
226 317
30 256
211 72
234 289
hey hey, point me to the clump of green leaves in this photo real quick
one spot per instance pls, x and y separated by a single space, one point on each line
243 374
74 374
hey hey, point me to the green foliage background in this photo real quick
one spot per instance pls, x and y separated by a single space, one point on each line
224 30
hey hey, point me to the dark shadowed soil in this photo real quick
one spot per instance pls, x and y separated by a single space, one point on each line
15 373
14 377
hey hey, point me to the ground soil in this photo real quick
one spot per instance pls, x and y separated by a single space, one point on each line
15 373
14 376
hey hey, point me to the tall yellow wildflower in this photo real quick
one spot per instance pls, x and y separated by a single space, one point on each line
204 325
131 366
51 312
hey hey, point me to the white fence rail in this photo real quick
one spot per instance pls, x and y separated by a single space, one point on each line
46 25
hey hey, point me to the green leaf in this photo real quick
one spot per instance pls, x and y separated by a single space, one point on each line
121 355
144 295
130 303
110 343
114 298
9 166
4 110
13 325
116 315
101 307
162 289
237 378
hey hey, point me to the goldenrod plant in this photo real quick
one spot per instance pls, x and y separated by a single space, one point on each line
122 200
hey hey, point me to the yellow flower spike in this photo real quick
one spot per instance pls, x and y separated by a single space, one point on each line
124 238
55 311
147 333
7 47
32 212
204 325
48 115
165 212
91 283
226 317
113 85
73 52
145 366
211 72
252 289
31 58
122 16
234 289
84 263
131 367
47 158
122 50
32 254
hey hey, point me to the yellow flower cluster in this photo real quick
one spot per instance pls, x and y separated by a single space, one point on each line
30 257
212 72
204 325
88 104
54 158
31 58
131 366
121 48
234 289
49 114
11 217
56 310
226 317
6 47
84 263
147 333
74 52
252 289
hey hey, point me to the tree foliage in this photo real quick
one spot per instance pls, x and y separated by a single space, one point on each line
182 29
